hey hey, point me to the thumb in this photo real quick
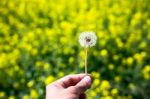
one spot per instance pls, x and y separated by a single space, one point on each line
82 86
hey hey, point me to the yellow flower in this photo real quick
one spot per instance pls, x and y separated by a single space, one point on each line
114 91
96 82
2 94
143 45
146 72
64 40
81 64
130 61
105 92
107 97
46 66
119 42
25 97
96 75
102 42
143 54
67 26
60 74
115 57
49 79
105 85
30 83
111 66
11 97
34 94
138 57
92 93
71 60
34 51
82 54
132 86
117 79
104 53
16 68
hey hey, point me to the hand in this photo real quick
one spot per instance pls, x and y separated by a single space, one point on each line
69 87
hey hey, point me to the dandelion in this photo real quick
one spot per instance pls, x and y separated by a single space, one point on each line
87 39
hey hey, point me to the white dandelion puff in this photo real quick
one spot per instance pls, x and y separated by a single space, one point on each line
87 39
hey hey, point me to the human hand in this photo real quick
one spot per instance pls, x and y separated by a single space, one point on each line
69 87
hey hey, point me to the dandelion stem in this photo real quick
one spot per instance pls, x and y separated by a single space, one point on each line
86 50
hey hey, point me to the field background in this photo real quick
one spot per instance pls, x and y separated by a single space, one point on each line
39 44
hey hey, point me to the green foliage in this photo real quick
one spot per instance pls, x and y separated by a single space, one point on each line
39 44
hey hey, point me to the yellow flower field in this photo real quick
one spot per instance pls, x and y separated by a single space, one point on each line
39 44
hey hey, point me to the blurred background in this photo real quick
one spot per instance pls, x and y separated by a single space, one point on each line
39 44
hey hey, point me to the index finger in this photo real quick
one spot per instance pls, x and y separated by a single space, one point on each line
70 80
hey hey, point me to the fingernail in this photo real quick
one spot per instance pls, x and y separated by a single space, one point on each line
87 79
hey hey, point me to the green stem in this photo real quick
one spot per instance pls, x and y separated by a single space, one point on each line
86 60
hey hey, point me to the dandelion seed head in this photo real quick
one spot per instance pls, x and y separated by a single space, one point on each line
87 39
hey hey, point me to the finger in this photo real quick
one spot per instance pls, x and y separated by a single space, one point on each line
81 86
70 80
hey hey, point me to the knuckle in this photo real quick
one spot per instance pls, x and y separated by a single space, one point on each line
73 90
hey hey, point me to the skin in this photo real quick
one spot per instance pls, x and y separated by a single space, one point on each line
69 87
